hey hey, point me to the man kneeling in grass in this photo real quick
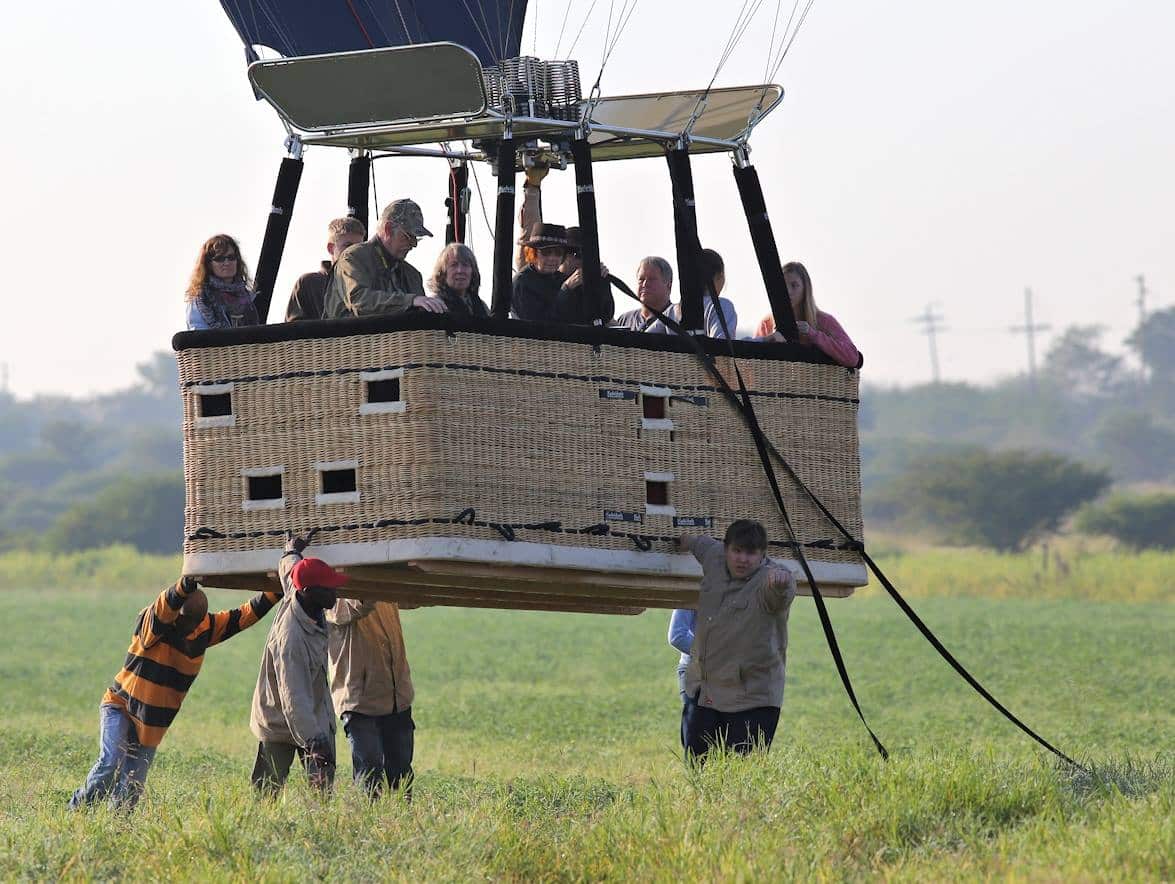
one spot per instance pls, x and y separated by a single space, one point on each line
734 680
165 656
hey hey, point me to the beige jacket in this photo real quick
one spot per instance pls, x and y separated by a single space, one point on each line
291 703
367 280
369 671
739 652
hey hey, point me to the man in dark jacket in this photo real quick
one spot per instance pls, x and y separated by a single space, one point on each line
306 300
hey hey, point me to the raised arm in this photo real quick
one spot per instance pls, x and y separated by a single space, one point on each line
166 609
347 611
779 588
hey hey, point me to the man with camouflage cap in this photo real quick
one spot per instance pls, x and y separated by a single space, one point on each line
373 277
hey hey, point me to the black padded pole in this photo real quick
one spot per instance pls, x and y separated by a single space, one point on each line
284 194
358 186
503 231
457 202
685 231
589 227
751 194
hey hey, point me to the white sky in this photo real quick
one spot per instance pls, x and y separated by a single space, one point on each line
925 152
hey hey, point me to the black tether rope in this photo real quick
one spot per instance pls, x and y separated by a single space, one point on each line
767 451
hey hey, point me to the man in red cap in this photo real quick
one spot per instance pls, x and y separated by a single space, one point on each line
292 712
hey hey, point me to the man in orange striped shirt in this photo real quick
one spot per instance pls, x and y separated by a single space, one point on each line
164 658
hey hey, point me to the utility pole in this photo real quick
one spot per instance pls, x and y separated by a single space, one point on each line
1029 330
930 322
3 377
1141 299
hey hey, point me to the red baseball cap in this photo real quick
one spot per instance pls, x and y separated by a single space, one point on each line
316 572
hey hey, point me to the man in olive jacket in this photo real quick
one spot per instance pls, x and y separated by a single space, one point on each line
373 277
292 712
734 679
371 686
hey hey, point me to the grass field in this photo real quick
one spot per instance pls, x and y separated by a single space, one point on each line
547 745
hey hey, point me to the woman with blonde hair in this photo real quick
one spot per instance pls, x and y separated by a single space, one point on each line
815 327
455 280
220 294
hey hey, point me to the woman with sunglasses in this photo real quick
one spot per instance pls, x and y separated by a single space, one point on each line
219 294
544 291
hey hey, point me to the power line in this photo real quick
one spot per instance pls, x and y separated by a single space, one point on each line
1030 329
931 327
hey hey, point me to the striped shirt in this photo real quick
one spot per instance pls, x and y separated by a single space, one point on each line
161 664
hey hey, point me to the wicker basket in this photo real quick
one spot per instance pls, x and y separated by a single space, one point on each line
475 468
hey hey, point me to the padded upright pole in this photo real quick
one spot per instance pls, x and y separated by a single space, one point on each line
284 194
589 227
504 231
685 232
755 207
358 186
457 202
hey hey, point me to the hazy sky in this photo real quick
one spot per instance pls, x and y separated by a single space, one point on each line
925 152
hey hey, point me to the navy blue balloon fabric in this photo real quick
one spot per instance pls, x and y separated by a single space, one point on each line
492 29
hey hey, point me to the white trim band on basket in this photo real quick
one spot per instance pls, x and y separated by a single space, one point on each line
457 549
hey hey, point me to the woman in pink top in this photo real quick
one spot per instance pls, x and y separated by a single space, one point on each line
817 328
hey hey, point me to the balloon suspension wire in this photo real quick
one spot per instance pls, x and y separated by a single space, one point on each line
582 25
742 23
612 37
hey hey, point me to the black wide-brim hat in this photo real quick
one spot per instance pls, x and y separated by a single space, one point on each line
541 235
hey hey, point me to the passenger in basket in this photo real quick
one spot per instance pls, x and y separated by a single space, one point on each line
654 286
541 289
292 712
681 638
816 328
712 268
165 656
219 294
373 277
455 280
306 300
734 680
371 685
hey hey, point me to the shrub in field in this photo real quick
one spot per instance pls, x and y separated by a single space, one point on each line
1142 521
1004 500
147 513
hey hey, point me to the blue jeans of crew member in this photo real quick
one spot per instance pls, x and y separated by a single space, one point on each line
120 773
381 747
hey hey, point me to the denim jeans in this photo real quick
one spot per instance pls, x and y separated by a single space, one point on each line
120 773
381 746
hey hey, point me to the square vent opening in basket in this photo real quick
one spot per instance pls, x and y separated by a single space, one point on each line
340 481
264 487
386 390
654 407
215 404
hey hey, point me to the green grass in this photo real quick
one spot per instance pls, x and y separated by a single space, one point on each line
547 746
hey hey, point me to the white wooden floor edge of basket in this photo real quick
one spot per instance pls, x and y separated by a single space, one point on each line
610 564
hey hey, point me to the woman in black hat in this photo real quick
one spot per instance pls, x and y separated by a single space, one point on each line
544 291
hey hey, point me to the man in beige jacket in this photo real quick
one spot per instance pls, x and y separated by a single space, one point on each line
371 686
292 712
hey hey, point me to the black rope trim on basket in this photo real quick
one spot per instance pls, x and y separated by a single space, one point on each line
468 516
516 372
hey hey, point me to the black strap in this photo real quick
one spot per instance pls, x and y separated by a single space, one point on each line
746 410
